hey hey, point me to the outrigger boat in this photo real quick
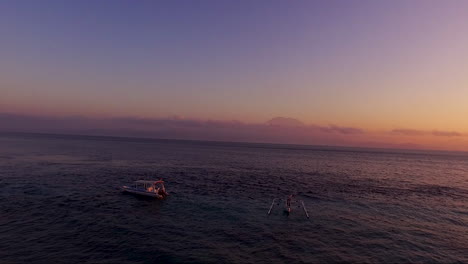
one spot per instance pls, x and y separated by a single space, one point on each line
289 200
154 189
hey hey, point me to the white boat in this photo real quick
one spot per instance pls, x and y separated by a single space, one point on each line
154 189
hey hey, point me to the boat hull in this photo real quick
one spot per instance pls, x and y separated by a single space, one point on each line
141 192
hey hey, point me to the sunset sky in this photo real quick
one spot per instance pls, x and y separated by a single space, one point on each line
396 71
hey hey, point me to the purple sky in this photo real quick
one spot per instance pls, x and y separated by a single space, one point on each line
373 65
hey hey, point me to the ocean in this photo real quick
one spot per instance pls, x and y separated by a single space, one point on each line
60 202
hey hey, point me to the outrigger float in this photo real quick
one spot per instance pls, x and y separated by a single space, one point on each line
154 189
287 209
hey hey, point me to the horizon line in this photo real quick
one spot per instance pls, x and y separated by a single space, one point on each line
317 147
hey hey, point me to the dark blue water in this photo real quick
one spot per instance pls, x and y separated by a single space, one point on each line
59 203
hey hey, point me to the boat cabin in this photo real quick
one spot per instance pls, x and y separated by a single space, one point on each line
147 188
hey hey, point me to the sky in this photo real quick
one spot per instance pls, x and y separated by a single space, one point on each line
393 70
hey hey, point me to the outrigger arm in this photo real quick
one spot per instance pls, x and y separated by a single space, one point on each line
271 207
305 210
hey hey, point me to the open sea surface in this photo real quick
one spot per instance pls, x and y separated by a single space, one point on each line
60 203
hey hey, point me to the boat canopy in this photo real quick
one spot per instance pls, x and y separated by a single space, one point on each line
149 182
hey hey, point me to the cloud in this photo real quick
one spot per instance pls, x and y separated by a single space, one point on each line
277 130
438 133
446 133
292 131
408 132
342 130
292 122
285 121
